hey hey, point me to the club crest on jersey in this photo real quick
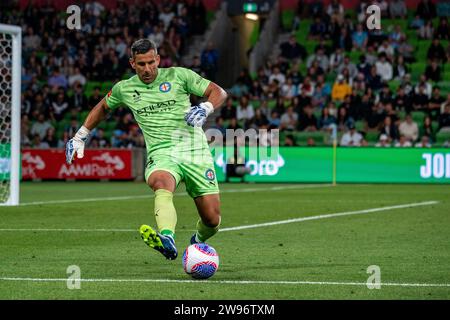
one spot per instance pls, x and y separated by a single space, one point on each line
165 87
209 174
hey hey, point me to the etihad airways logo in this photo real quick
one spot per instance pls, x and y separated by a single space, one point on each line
157 107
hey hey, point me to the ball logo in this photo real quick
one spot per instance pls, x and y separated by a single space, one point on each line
209 174
165 87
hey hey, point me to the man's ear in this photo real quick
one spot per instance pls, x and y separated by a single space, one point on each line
132 63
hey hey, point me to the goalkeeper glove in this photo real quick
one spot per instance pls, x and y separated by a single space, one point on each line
76 145
196 117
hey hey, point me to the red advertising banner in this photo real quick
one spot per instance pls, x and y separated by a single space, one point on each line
114 164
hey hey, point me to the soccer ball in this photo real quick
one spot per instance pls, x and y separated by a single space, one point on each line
200 261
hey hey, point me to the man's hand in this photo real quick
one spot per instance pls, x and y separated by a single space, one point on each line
76 145
196 117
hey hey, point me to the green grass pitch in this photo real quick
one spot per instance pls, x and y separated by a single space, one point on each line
314 258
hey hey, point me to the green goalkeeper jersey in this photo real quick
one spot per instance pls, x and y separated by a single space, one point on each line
159 109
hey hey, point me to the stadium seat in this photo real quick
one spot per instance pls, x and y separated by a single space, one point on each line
418 116
302 137
442 137
372 136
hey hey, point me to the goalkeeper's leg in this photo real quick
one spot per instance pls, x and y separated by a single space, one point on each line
208 207
164 184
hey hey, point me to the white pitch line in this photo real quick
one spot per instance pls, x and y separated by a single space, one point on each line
332 215
238 282
318 217
177 194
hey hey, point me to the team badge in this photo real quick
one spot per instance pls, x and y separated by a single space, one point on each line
209 174
165 87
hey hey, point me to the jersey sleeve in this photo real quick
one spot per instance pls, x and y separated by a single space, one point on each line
114 96
193 82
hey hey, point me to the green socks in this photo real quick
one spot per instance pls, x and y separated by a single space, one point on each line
165 213
204 232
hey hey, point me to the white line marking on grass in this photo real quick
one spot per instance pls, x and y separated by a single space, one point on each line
239 282
318 217
332 215
261 189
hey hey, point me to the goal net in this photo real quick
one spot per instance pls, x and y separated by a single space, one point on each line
10 105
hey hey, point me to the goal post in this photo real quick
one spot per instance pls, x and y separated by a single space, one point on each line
10 108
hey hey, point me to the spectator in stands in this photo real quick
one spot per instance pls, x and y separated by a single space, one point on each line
38 143
326 121
436 51
335 10
78 99
426 31
433 71
397 9
321 58
386 48
349 65
259 120
444 120
289 90
416 23
384 67
274 120
321 93
423 82
351 138
426 10
400 68
424 142
427 129
336 59
244 110
57 79
344 120
445 103
344 40
403 142
308 121
291 49
435 103
289 120
317 29
420 100
233 124
402 101
389 129
277 75
383 142
59 107
340 89
409 129
306 87
360 38
50 138
99 136
289 141
406 50
210 59
443 29
40 127
76 77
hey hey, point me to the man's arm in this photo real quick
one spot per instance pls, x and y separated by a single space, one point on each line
216 95
96 115
76 144
196 117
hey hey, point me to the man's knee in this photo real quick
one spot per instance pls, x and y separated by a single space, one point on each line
213 219
161 180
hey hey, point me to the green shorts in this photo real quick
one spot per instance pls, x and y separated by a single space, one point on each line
199 177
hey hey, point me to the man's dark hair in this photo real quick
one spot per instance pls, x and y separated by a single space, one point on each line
142 46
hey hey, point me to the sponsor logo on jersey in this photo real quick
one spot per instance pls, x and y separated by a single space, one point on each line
209 174
163 106
165 87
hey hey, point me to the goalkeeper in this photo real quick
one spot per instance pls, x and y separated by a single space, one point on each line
177 148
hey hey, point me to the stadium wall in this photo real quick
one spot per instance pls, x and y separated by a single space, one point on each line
353 165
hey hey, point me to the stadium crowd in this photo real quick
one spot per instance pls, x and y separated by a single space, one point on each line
353 97
319 90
